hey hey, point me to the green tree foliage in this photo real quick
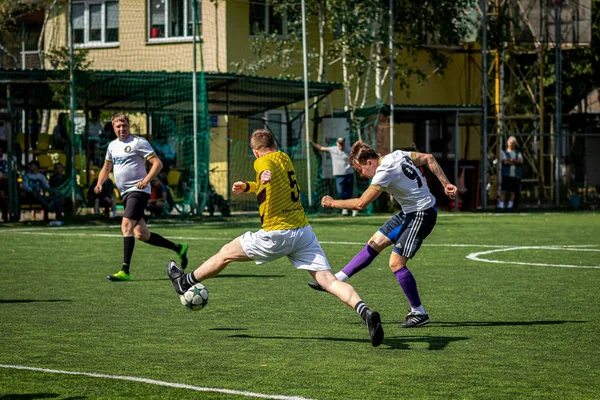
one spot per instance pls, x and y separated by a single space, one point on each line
10 13
355 34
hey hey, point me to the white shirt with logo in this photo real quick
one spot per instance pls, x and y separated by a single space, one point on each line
129 162
401 178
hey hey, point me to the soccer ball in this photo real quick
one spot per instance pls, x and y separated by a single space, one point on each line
196 297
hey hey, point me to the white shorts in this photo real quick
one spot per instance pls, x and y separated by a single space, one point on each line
299 245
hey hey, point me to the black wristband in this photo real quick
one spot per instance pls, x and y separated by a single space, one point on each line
247 187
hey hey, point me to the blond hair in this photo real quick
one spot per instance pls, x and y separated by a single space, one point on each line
262 139
120 117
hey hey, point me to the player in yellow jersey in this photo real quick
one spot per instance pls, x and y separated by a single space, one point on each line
285 233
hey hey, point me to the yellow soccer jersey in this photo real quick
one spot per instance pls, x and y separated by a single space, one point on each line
279 203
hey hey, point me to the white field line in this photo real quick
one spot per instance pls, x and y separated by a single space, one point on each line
52 232
472 256
229 223
158 383
477 256
118 235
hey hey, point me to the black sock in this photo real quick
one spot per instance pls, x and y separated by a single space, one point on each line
361 308
188 281
157 240
128 246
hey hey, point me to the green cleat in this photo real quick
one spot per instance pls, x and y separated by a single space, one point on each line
183 259
119 276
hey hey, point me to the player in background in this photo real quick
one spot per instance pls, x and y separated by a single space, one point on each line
128 155
398 174
285 233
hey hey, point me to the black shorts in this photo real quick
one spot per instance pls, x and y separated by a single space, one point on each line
135 203
408 231
510 184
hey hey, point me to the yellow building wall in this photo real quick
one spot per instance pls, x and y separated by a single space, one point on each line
136 53
225 34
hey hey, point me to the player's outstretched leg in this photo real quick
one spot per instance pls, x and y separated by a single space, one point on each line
177 277
348 295
373 321
316 286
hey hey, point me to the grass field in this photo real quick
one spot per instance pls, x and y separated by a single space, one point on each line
514 302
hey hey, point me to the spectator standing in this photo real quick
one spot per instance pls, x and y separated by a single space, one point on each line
511 161
343 172
60 136
34 129
94 130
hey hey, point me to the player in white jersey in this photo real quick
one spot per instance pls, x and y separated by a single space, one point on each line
128 155
398 174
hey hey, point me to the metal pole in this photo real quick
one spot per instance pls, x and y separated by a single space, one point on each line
558 129
228 114
72 73
391 44
306 120
456 150
195 204
484 105
13 192
542 178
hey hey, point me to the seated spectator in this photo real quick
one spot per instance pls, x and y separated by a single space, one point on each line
35 185
165 152
161 201
105 199
58 184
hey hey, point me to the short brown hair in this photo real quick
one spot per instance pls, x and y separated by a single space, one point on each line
262 139
361 152
120 117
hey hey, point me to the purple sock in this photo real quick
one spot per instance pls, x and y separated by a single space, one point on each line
409 285
362 260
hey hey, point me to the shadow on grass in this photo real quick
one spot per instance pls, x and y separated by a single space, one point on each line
31 396
214 277
433 342
501 323
31 301
228 329
248 276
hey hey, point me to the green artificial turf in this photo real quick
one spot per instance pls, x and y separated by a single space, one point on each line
513 303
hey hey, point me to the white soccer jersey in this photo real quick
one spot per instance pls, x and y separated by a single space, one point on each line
129 162
400 177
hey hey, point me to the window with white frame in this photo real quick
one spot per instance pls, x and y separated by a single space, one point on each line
95 23
264 18
172 19
288 136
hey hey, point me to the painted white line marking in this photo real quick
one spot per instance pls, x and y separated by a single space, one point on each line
476 256
472 256
155 382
